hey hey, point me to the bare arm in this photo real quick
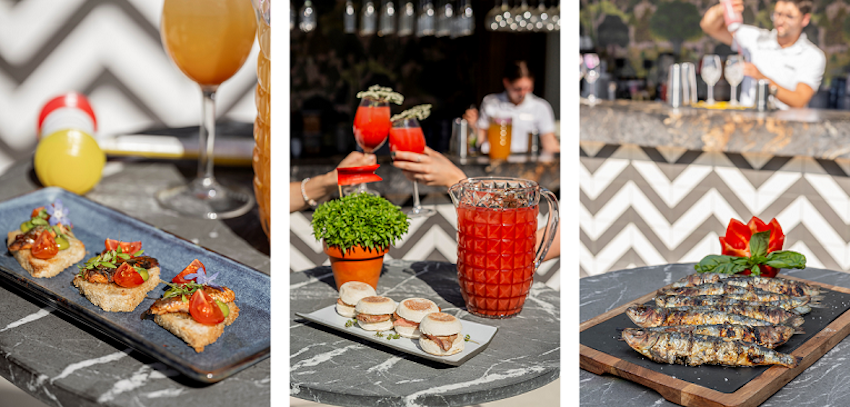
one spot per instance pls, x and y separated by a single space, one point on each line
799 97
549 143
555 248
712 22
323 186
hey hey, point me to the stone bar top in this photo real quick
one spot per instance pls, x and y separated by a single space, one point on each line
62 362
333 368
822 384
822 134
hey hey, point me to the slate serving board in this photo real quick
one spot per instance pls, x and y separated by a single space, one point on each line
244 343
602 352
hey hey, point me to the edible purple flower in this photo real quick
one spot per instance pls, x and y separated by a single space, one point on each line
58 214
201 278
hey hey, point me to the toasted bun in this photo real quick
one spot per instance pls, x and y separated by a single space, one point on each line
433 348
114 298
50 267
196 334
344 310
440 324
414 309
378 326
353 291
375 305
408 331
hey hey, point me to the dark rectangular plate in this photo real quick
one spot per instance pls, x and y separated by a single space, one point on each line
244 343
481 334
605 337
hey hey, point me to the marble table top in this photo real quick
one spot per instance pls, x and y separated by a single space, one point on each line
64 363
336 369
814 133
822 384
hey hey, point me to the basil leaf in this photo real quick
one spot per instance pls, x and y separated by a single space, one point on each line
755 270
138 253
715 263
758 244
786 260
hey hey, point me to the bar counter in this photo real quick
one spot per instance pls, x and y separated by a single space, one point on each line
816 133
659 185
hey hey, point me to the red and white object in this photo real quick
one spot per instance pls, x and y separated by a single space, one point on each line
732 18
69 111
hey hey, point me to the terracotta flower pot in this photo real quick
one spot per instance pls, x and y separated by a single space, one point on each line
356 264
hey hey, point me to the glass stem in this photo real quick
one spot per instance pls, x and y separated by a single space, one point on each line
735 94
710 94
206 139
416 206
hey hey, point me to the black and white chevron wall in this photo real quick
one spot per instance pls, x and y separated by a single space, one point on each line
109 50
646 206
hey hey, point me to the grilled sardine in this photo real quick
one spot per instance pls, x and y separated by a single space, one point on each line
767 336
774 315
693 350
646 316
669 301
740 293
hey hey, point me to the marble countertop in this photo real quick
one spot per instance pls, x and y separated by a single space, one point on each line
814 133
64 363
822 384
335 369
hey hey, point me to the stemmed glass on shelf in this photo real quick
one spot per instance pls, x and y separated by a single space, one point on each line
711 71
372 122
406 135
734 75
209 45
591 65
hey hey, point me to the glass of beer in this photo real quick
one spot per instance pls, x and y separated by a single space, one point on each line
209 41
499 137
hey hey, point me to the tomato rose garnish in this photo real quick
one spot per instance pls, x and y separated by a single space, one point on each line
190 269
204 309
126 276
45 246
754 248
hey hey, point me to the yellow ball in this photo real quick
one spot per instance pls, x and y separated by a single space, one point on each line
69 159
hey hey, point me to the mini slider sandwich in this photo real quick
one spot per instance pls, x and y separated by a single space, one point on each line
408 315
349 294
441 334
375 313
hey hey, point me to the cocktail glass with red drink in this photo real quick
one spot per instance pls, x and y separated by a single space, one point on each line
406 135
496 255
372 123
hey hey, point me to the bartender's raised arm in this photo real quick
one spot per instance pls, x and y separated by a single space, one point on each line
712 22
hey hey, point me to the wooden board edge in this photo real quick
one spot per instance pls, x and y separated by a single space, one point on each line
674 390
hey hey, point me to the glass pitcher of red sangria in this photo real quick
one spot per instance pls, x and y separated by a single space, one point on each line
496 236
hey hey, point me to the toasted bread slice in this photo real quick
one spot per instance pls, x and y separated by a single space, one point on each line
114 298
196 334
39 268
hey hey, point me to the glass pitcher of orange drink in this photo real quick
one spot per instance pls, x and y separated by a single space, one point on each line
496 238
262 124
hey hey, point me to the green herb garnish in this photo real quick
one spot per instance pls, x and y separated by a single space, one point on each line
781 259
379 93
184 291
420 112
359 220
467 338
379 334
349 323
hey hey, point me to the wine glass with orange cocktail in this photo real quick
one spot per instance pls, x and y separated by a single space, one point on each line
372 122
406 135
209 41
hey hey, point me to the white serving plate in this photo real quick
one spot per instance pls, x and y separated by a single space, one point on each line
480 336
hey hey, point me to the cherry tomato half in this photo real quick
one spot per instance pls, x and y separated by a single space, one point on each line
126 247
126 276
45 246
204 309
190 269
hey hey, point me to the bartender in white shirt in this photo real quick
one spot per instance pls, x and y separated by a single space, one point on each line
528 113
791 64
